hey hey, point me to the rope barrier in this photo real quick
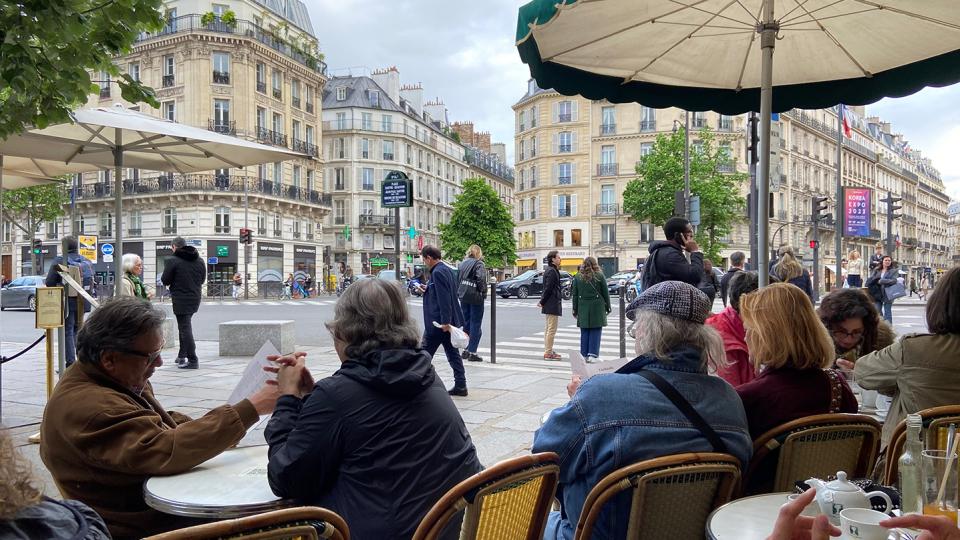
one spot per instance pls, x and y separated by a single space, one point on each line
5 359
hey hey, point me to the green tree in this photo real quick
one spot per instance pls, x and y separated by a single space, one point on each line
47 49
479 217
27 208
650 196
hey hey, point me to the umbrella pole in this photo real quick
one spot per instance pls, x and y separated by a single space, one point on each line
768 38
117 208
11 268
840 206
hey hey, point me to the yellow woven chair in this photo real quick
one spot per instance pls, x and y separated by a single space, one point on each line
510 500
935 422
301 523
813 446
672 496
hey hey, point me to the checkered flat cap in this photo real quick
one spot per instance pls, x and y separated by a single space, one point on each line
675 299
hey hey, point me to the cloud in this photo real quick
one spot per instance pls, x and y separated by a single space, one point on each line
462 52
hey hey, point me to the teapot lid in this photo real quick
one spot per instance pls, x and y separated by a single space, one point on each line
842 484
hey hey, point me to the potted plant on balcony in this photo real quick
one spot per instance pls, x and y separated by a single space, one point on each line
229 18
208 18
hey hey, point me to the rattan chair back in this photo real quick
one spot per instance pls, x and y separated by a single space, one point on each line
301 523
936 420
670 496
508 500
814 447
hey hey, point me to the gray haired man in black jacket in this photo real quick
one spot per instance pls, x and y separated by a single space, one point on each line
184 273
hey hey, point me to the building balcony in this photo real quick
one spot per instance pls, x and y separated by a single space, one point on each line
52 235
309 236
170 230
306 148
277 233
563 180
269 136
340 220
648 125
295 102
607 209
608 129
261 87
309 107
564 117
376 221
105 91
168 81
296 235
241 27
564 148
106 233
726 124
134 232
221 77
277 93
222 229
227 127
607 169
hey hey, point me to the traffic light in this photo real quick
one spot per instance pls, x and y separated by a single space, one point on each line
814 244
753 139
37 246
246 236
891 207
819 209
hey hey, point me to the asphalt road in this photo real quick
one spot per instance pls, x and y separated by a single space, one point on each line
516 320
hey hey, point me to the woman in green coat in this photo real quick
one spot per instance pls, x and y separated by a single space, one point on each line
591 304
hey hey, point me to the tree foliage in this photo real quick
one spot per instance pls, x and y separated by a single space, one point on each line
650 196
479 217
47 48
27 208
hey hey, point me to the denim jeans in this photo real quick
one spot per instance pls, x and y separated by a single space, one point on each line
433 338
590 341
886 310
473 324
855 281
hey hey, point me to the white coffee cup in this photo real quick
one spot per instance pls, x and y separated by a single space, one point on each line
863 524
812 509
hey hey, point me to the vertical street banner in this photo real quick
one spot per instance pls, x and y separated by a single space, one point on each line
856 211
87 247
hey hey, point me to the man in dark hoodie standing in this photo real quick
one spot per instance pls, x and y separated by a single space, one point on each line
184 274
668 259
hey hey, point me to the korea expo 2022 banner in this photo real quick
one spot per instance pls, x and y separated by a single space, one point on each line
856 211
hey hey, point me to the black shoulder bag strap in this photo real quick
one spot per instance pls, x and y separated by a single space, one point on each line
668 390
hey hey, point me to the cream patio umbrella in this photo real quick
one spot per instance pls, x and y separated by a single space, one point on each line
719 55
117 137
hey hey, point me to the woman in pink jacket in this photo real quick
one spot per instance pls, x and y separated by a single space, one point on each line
738 368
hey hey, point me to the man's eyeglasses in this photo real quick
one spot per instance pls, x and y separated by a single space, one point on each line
150 357
840 334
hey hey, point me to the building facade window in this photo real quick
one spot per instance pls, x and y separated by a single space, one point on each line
564 173
136 223
221 115
221 68
170 110
261 78
388 150
576 238
608 234
222 219
169 220
341 93
277 84
367 179
608 125
366 121
386 123
106 223
647 233
339 178
169 69
365 148
134 71
295 93
565 142
565 111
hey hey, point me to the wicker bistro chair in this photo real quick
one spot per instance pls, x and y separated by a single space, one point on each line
813 446
301 523
509 500
671 496
936 421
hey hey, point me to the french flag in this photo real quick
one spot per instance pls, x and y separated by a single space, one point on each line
846 123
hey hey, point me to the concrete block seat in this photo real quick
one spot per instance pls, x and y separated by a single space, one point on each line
244 338
171 335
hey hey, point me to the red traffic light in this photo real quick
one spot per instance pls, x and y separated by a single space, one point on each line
813 244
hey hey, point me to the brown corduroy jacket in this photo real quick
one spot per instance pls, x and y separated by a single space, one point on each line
101 442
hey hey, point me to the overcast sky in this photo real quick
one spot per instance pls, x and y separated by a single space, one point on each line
464 53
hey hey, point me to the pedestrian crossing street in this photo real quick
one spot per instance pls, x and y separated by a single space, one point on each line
331 300
525 353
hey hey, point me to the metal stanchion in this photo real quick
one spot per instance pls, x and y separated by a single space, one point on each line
493 321
623 324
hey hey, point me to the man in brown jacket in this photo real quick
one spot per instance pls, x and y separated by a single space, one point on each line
104 433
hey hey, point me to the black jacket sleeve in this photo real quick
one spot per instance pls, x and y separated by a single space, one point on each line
168 271
53 277
304 450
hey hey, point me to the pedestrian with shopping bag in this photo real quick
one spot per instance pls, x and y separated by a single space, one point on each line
472 292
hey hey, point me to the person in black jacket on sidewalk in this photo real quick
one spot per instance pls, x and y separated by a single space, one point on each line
736 265
551 303
379 441
667 260
184 274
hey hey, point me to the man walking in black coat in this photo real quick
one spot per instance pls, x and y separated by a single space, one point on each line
667 260
184 274
551 303
736 265
440 305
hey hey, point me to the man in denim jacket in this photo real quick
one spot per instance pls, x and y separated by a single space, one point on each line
617 419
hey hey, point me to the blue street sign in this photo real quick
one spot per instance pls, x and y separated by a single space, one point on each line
213 260
106 249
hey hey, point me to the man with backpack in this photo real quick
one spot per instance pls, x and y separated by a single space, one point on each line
472 292
81 270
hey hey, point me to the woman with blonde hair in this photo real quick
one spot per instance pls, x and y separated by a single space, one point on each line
472 291
591 304
26 514
854 269
788 270
792 347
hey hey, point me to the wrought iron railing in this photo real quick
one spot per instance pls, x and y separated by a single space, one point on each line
220 126
171 183
607 209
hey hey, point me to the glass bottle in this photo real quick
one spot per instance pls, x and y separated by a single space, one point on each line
909 466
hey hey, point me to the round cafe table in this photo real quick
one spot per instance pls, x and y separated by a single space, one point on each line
233 484
749 518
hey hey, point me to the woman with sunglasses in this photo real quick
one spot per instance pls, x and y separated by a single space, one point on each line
854 324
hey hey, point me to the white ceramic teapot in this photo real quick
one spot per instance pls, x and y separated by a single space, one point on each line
839 494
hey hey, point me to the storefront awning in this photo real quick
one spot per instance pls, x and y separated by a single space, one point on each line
523 263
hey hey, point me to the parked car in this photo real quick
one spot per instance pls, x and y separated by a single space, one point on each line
21 293
392 276
613 282
531 283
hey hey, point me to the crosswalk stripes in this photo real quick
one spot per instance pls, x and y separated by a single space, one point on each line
527 351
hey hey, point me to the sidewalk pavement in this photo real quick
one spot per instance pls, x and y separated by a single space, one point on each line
502 411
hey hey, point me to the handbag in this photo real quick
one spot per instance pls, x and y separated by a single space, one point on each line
892 292
681 403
